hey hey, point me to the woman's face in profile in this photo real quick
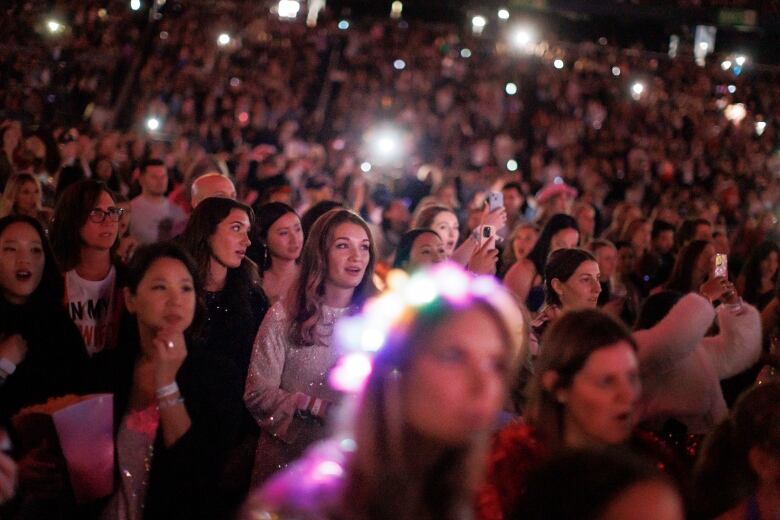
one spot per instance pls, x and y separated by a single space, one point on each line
454 389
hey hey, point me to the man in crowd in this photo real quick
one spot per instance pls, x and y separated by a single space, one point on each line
154 216
211 185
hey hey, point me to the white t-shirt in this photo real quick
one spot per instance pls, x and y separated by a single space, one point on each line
91 307
151 221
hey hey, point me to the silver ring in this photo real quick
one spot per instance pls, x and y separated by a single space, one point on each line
170 344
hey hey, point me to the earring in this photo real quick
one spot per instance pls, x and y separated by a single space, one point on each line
265 255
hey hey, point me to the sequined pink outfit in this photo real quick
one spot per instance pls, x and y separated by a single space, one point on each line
280 375
134 445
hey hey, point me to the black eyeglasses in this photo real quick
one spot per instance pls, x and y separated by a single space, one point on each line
98 216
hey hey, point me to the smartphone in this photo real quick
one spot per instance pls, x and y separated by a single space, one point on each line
721 266
485 233
495 200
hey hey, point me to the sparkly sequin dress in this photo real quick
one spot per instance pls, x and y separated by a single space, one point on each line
280 376
135 449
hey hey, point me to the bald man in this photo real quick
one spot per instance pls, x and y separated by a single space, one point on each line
211 185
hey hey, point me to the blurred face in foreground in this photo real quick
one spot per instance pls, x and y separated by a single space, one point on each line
649 500
455 387
600 403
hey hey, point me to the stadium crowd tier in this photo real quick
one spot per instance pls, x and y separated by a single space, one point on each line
255 268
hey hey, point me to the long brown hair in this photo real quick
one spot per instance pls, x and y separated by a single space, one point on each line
379 483
305 303
568 343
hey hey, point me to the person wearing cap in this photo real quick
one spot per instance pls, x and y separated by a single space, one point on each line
557 197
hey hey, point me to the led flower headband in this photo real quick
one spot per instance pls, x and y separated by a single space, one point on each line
362 336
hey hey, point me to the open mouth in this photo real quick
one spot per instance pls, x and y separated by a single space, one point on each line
23 275
173 319
354 270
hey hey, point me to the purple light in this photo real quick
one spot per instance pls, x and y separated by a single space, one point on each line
350 373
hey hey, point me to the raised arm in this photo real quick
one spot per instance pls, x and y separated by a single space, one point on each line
676 335
738 345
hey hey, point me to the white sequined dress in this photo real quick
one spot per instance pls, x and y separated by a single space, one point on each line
279 373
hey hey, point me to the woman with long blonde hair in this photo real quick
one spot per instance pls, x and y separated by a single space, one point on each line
286 389
22 196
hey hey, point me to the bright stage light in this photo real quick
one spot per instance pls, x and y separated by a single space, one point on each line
288 8
503 14
153 124
54 26
223 39
523 38
637 89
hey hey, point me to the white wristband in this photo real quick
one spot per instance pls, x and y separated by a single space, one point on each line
7 366
166 390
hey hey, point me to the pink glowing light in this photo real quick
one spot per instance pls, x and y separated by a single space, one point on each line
351 372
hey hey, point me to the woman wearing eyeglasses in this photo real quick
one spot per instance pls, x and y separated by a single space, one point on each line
84 238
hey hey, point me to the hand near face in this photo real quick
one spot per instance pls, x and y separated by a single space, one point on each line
170 350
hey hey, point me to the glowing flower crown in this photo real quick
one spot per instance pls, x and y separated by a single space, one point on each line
361 336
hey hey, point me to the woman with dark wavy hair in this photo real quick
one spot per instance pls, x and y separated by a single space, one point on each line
217 237
286 389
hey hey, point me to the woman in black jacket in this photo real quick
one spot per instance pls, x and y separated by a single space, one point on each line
175 419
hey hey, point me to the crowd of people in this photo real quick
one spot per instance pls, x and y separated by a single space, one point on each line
558 301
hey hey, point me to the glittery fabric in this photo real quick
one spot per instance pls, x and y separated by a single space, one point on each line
135 449
280 376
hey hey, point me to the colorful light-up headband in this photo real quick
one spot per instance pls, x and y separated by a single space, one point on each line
360 337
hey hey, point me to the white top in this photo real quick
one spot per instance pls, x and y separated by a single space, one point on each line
152 221
91 307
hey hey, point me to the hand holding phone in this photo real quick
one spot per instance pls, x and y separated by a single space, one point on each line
486 233
721 268
495 200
